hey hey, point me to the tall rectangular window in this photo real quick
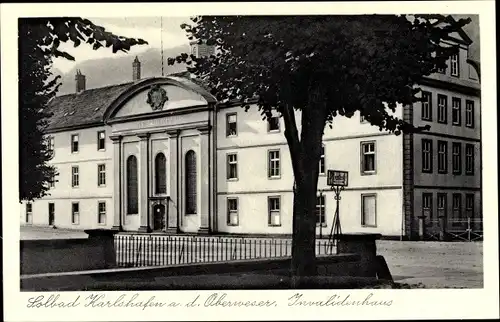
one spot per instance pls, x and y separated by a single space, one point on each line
441 205
427 206
75 213
469 159
322 160
274 164
320 211
426 106
75 177
368 159
442 157
232 166
455 65
274 216
456 111
101 140
273 124
74 143
457 157
457 209
469 113
101 212
442 108
232 212
427 155
469 205
231 125
369 210
29 213
101 174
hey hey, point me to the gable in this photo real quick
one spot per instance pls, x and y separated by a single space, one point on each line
178 97
178 93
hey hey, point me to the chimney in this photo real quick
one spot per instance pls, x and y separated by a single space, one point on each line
136 69
80 81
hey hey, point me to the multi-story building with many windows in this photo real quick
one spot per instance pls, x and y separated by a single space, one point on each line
162 155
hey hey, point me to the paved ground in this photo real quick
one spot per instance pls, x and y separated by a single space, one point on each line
33 232
433 264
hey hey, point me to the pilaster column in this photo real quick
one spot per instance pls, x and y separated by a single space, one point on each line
143 182
173 206
205 177
117 214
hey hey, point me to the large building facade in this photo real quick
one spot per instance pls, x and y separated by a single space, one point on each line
162 155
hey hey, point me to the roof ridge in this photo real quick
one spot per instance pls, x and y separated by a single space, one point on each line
97 88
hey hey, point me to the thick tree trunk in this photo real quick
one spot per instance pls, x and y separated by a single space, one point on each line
305 154
304 228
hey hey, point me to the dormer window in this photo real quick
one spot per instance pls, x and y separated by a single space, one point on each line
231 125
74 143
101 140
273 124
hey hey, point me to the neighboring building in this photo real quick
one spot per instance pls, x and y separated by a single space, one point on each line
160 154
442 181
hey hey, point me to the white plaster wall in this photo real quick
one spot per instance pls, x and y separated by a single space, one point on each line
253 212
88 193
62 214
252 130
339 154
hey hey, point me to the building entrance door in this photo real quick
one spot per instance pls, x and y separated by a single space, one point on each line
159 217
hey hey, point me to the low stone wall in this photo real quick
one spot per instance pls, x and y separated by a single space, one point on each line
66 255
78 265
156 277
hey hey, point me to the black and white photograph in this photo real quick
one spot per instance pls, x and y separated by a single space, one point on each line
328 158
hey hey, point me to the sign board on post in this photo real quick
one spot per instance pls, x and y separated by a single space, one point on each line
337 178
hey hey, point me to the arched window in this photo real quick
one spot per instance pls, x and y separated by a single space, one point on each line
190 182
160 173
132 186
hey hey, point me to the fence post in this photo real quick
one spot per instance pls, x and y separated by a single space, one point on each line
442 227
421 227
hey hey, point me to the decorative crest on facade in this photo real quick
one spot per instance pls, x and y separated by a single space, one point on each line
157 97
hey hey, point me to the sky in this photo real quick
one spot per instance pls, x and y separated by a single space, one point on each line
147 28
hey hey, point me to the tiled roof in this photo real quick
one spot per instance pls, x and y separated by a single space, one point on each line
83 108
88 107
